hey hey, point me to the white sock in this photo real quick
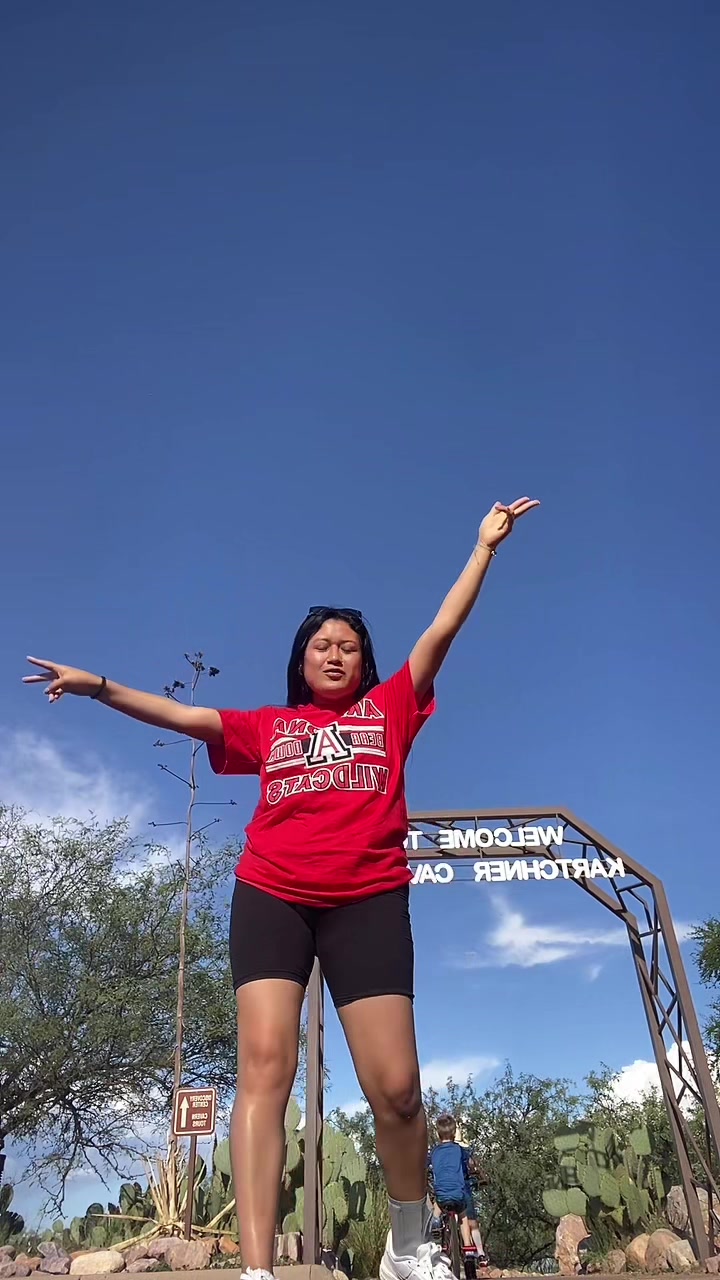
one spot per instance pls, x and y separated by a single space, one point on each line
408 1226
477 1239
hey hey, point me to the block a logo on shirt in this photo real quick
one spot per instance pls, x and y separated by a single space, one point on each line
326 746
329 755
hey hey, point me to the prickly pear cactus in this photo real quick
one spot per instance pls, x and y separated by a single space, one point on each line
344 1181
11 1224
602 1181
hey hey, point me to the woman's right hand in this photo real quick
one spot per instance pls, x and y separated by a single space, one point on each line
60 679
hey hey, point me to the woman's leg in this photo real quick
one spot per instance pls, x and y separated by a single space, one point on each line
380 1032
272 949
381 1037
268 1029
366 953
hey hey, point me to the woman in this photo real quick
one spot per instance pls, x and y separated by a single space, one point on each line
324 873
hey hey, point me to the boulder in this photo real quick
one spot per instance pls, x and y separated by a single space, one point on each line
189 1255
140 1265
570 1233
158 1248
7 1268
636 1251
659 1246
55 1261
615 1262
134 1253
230 1248
25 1261
712 1266
681 1256
101 1262
21 1269
676 1210
7 1252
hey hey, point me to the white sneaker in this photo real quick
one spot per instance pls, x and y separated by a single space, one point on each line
428 1263
256 1273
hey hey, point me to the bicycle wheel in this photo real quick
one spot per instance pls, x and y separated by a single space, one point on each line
454 1245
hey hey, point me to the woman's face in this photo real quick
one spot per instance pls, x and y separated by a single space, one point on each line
333 662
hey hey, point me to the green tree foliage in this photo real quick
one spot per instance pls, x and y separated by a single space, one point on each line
512 1125
707 958
88 973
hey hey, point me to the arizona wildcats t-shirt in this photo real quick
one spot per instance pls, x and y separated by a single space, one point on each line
331 821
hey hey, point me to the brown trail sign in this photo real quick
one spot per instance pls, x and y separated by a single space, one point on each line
194 1113
637 899
193 1117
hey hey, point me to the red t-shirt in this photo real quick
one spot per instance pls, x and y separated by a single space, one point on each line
331 822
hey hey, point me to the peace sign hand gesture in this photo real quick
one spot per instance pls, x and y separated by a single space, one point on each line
499 522
60 680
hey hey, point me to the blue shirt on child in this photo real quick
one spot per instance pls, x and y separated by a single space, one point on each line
450 1168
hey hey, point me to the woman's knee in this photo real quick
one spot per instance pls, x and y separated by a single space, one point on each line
396 1097
266 1065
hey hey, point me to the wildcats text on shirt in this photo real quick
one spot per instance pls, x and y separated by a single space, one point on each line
341 777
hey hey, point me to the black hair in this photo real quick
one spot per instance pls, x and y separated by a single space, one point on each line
298 690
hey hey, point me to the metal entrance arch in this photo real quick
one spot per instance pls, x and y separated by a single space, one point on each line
639 901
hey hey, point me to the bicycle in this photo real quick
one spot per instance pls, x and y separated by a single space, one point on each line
464 1259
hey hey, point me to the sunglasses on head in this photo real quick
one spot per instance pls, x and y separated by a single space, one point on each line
322 608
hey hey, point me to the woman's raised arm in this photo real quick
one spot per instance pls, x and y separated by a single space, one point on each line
431 649
203 723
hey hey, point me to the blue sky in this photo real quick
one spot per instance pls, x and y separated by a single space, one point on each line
292 294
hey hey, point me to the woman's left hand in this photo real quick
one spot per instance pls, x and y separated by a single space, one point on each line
499 522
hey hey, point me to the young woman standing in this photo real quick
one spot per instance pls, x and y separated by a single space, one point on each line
324 873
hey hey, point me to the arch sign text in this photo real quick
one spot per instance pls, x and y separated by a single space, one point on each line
521 866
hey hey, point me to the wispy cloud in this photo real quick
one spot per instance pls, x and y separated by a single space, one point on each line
514 940
593 972
435 1074
36 775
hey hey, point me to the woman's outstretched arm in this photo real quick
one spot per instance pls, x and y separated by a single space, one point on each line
203 723
431 649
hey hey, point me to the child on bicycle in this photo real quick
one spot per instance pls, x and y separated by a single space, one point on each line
452 1166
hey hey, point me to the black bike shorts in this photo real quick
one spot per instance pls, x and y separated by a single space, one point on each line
365 948
464 1204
